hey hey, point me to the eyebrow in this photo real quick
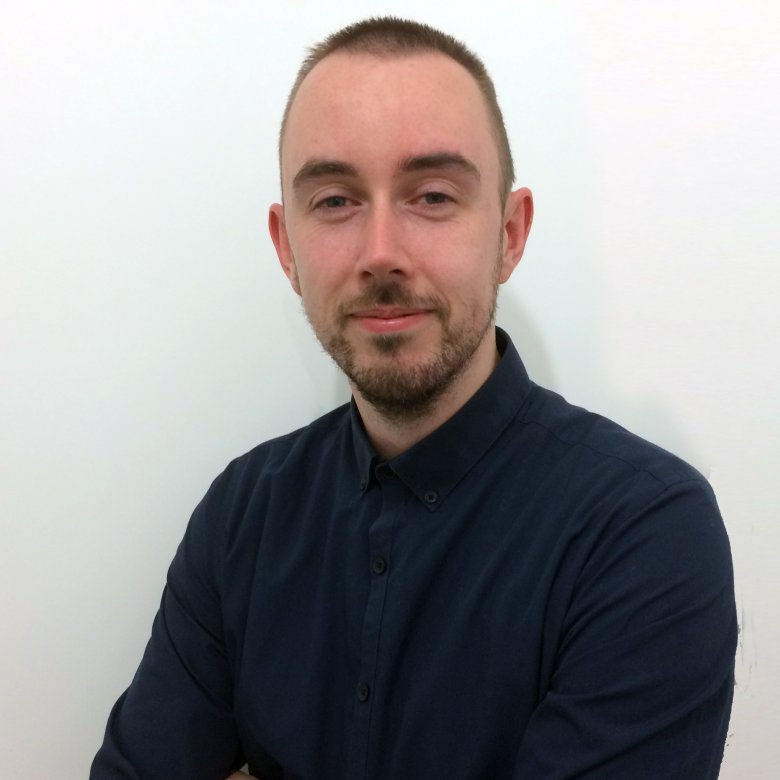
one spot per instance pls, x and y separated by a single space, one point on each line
317 169
439 161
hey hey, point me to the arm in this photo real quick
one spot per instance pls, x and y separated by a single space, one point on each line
175 720
643 676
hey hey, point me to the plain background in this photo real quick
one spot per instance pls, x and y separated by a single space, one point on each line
148 335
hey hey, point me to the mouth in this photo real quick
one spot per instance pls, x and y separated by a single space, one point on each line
389 319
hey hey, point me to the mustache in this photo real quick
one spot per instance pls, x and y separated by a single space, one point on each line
390 293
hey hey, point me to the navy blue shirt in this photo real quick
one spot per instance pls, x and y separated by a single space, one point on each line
530 592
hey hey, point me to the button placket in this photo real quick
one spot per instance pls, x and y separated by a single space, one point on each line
392 494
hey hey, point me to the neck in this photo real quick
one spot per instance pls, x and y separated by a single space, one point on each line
391 437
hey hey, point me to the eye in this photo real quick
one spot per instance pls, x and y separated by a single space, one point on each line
436 198
332 202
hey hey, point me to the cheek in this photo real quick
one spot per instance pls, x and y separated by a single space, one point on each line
320 262
323 284
469 266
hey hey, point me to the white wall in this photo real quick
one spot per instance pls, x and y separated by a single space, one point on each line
148 336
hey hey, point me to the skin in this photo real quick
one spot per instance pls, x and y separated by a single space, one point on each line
394 233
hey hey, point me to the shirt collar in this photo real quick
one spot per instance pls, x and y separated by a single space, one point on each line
434 466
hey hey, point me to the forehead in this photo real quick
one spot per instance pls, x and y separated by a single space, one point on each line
367 109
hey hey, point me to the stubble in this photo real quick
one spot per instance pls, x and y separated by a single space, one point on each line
403 391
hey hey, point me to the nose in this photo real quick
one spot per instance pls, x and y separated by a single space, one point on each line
382 250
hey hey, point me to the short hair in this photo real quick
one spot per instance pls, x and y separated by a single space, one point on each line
389 36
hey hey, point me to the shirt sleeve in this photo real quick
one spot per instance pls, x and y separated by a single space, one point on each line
175 720
643 678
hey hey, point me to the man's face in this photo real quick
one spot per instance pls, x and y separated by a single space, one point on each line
392 229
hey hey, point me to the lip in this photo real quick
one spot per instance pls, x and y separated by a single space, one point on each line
389 319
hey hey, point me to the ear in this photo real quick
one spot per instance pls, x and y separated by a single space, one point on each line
518 215
278 231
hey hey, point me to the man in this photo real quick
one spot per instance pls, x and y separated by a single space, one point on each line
458 574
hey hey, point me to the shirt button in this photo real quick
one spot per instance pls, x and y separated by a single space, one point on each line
431 496
378 565
363 692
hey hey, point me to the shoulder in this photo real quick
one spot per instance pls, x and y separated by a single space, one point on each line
592 443
611 489
277 464
288 454
631 502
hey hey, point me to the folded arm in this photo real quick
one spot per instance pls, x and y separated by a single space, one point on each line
176 718
643 678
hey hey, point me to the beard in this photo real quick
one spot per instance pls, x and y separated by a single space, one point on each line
400 390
